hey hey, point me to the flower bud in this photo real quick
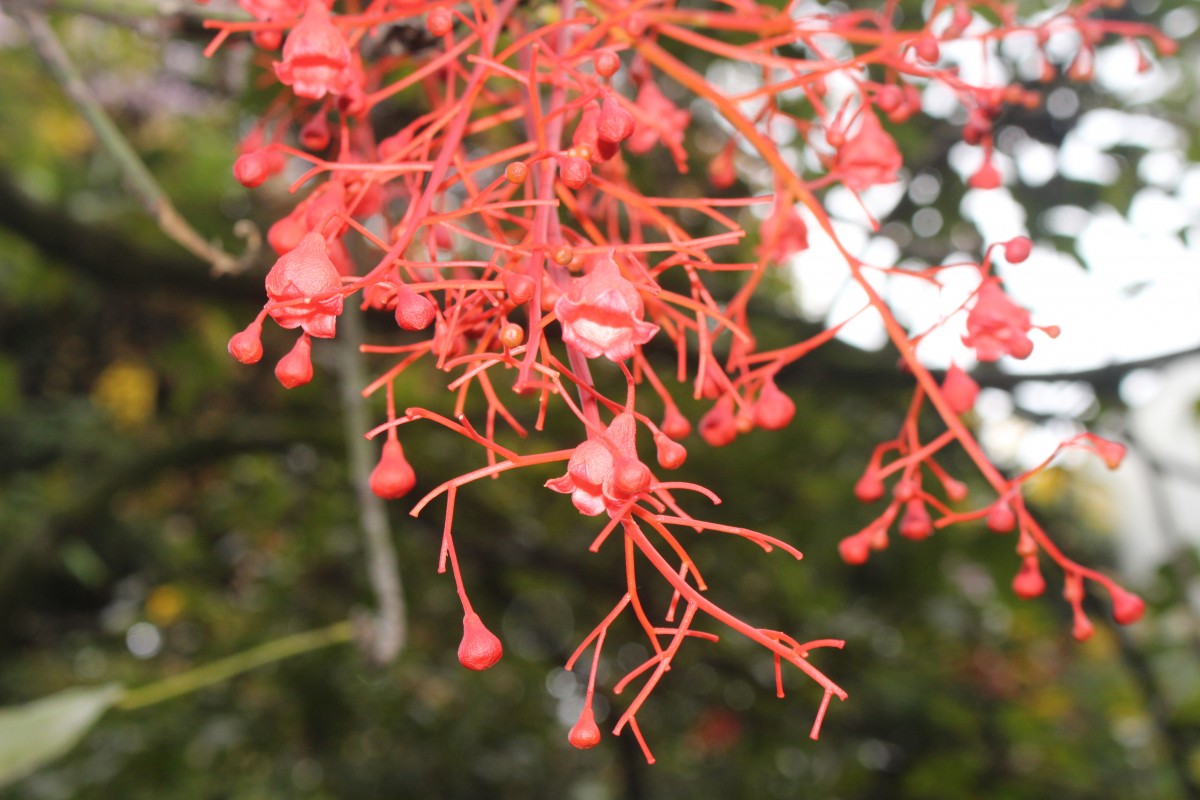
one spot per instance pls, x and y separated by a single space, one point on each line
915 524
393 476
585 734
615 123
414 312
295 368
671 454
1127 607
440 21
1000 518
1028 582
246 346
575 172
774 409
518 286
959 390
315 134
606 63
1018 249
855 549
718 426
479 648
252 169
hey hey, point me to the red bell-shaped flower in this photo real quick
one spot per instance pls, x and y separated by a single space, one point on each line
601 314
316 56
305 286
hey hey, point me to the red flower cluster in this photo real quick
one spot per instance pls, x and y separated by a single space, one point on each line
498 226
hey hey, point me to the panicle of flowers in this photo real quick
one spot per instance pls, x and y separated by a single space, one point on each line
508 237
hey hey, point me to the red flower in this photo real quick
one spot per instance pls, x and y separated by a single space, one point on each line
601 314
996 325
307 282
664 121
869 157
782 234
272 9
316 57
604 472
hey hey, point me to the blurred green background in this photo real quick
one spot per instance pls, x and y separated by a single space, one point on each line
162 506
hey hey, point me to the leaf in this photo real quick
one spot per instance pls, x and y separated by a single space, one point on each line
39 732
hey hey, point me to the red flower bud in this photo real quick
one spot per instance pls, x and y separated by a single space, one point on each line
585 734
915 524
928 49
1028 582
671 454
855 549
252 169
959 389
518 286
246 346
630 477
1001 518
675 424
774 409
1082 628
516 173
718 426
1127 607
440 21
575 172
315 134
1018 249
414 312
721 169
393 476
295 368
606 63
479 648
615 123
869 487
986 177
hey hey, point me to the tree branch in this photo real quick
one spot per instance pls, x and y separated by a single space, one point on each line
137 176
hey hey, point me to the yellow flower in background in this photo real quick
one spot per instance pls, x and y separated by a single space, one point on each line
164 605
126 392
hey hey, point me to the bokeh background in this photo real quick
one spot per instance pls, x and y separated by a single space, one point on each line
162 507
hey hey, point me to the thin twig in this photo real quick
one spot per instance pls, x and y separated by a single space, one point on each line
136 174
388 629
226 668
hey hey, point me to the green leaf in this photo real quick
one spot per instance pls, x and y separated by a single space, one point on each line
39 732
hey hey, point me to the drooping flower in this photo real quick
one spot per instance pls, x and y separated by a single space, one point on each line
316 56
602 313
997 326
665 121
782 234
604 472
305 283
869 157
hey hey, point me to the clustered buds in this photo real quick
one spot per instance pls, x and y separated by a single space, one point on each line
544 262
